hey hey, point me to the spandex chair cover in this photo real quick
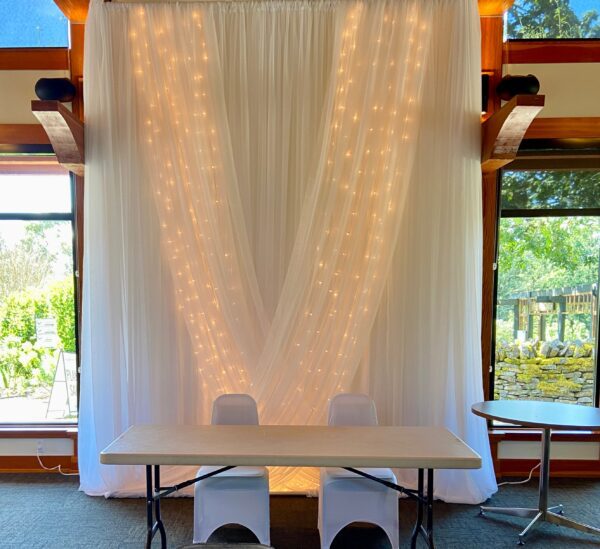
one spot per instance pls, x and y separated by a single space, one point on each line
345 497
239 495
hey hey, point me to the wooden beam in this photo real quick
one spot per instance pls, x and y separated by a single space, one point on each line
491 8
75 10
504 130
23 134
33 59
564 128
65 131
551 51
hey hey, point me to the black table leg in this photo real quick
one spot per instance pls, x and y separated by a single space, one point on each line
429 532
419 522
159 522
424 502
153 520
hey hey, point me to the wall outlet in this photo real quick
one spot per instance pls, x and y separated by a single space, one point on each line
40 447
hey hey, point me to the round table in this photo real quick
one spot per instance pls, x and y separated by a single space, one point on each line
545 416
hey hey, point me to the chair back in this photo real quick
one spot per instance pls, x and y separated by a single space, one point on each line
352 409
234 409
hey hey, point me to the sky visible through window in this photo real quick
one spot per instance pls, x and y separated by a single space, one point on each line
32 24
550 19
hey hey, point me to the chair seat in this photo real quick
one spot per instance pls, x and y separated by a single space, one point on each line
382 473
235 472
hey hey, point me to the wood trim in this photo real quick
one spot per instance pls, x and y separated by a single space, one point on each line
574 468
559 468
491 58
564 128
551 51
490 224
30 464
504 130
28 59
65 131
30 165
41 432
76 60
527 435
23 134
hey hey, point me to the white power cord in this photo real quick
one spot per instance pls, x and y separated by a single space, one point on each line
521 481
56 468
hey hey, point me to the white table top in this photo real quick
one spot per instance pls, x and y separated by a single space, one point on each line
298 446
534 413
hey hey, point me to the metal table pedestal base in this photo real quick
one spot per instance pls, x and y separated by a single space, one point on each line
543 513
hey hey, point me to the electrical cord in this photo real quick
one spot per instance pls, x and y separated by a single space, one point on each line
521 481
56 468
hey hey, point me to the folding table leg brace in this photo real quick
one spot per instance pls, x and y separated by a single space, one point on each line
153 494
424 503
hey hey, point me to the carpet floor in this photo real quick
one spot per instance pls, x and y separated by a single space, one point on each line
47 511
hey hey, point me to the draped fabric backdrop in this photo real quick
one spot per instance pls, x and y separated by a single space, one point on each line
283 198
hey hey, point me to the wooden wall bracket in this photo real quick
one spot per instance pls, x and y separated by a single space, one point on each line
65 132
504 130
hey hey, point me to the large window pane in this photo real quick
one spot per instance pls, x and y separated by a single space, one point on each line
553 19
32 24
38 379
550 190
35 194
547 300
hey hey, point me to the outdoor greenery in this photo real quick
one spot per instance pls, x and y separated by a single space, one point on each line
546 253
550 190
26 293
542 254
550 19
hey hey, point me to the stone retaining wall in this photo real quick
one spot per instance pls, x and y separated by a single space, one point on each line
536 371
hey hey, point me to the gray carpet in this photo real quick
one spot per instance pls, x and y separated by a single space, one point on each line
47 511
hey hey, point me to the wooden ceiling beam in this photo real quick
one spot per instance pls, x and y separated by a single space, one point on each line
74 10
65 132
504 130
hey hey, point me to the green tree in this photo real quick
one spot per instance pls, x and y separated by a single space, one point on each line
550 189
550 19
29 263
546 253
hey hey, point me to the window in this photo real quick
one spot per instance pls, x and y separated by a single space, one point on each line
32 24
38 373
546 321
547 19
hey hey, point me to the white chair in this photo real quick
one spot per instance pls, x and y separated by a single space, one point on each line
345 497
239 495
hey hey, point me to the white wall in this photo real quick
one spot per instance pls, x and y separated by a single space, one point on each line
16 93
571 89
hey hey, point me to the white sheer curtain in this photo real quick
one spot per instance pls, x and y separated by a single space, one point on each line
249 172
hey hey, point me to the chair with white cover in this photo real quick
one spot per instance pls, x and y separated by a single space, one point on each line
345 497
239 495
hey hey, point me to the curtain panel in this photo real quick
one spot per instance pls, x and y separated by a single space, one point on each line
283 198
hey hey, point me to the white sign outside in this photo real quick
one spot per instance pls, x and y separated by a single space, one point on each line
46 333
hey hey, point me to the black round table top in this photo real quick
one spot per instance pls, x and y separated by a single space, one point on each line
532 413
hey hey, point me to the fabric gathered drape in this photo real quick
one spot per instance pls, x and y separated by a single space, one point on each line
283 199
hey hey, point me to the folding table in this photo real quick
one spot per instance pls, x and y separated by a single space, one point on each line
422 448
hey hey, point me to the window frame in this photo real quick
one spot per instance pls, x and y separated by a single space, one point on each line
36 153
